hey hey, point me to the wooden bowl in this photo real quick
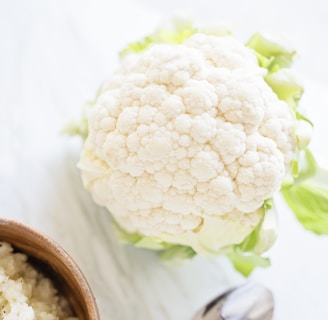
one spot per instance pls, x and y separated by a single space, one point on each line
46 255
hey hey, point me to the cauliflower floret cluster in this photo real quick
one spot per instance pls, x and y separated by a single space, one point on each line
185 144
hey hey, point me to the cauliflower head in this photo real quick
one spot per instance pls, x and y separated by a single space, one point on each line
187 141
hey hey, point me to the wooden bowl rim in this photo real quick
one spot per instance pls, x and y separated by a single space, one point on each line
60 254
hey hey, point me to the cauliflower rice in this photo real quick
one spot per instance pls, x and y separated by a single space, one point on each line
25 293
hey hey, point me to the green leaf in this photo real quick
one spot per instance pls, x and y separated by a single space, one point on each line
251 241
272 47
303 167
176 253
166 251
308 166
245 256
303 131
138 46
286 85
124 236
137 239
81 127
177 33
300 116
309 202
246 262
74 128
275 55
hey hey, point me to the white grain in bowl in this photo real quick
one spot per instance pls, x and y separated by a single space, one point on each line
50 259
25 292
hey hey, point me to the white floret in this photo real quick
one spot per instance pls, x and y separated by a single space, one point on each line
185 137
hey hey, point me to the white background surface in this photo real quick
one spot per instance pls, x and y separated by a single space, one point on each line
53 56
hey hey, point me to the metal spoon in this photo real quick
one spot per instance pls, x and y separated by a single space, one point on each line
247 302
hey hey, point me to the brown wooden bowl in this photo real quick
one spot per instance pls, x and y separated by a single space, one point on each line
54 262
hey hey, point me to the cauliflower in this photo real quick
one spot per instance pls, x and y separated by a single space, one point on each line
190 139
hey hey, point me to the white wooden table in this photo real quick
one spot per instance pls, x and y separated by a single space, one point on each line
53 56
